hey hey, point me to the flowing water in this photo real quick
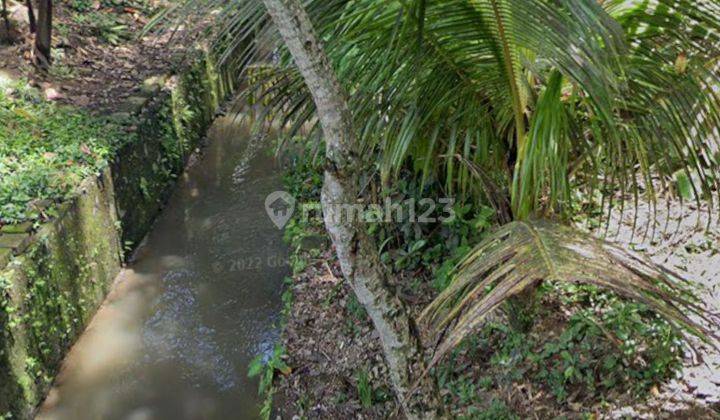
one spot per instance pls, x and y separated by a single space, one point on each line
202 297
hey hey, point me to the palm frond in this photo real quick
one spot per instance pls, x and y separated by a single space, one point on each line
520 254
542 169
449 86
667 115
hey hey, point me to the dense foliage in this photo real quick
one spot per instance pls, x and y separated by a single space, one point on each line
45 151
525 106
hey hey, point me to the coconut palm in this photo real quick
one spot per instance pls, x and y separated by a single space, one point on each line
532 90
525 105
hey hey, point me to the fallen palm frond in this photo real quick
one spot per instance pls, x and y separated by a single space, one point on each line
520 254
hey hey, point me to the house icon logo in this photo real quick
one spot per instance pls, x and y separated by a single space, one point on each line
280 206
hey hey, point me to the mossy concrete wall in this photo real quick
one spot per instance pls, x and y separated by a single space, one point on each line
53 279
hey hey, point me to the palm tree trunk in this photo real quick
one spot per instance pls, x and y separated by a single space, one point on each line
356 251
43 37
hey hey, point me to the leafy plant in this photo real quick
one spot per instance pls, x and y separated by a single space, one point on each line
109 27
604 346
364 389
626 347
81 5
266 368
496 411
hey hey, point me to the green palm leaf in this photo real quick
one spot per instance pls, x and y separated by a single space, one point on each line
450 86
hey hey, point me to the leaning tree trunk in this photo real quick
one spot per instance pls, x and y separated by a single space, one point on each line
44 34
31 16
356 251
6 19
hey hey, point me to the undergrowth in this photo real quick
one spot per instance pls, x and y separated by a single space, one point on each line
45 151
108 20
587 347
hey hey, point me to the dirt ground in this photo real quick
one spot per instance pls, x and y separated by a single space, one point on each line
88 71
325 351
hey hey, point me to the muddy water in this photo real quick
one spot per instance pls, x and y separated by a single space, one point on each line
201 299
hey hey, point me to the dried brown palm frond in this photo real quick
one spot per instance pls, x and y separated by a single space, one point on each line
519 254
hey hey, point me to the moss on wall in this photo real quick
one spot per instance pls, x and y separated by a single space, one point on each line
49 293
170 128
52 290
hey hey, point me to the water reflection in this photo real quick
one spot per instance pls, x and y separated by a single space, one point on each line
175 335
